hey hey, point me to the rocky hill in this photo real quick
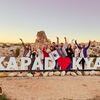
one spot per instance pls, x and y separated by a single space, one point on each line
41 39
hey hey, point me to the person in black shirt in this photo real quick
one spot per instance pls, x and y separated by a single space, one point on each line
69 51
33 56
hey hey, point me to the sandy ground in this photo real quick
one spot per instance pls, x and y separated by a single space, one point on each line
51 88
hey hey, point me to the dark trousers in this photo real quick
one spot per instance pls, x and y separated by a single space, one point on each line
31 65
83 63
44 64
56 66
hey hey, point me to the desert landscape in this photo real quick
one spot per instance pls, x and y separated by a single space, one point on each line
9 49
49 49
49 85
52 88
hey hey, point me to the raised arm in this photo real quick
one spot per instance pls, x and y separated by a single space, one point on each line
77 44
88 44
57 40
22 42
65 40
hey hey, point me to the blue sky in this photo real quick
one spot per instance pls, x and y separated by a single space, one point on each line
75 19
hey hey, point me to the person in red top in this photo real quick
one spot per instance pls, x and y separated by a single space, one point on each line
45 54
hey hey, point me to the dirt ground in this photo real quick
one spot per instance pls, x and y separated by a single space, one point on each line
51 88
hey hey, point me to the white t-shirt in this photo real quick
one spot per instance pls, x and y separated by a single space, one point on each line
81 54
77 52
40 53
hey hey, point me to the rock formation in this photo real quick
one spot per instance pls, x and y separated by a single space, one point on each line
41 39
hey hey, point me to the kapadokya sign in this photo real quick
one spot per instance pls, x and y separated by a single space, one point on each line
50 63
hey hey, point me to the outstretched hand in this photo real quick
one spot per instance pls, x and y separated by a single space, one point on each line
90 41
20 39
65 38
75 41
57 38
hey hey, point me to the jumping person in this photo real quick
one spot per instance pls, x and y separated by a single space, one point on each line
83 52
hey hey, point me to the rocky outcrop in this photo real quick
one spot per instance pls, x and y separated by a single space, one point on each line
41 39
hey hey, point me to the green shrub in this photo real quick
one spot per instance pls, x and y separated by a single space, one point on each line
3 97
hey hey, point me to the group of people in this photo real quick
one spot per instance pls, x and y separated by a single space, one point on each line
64 50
